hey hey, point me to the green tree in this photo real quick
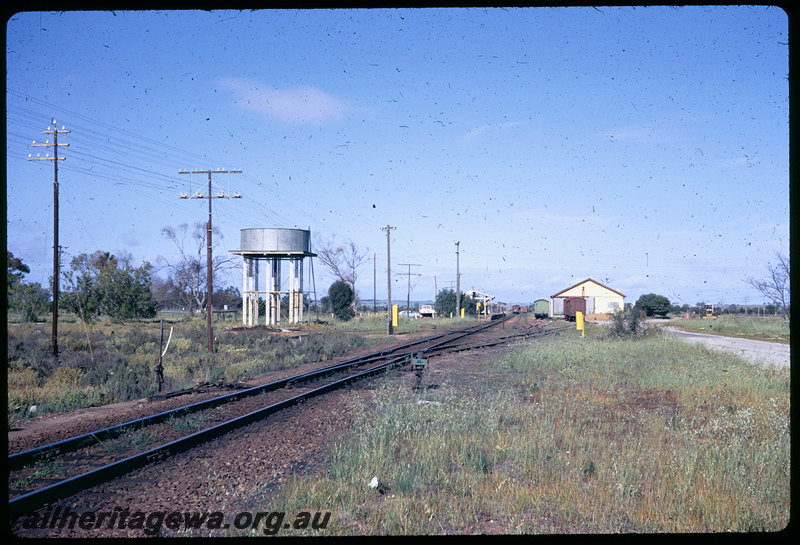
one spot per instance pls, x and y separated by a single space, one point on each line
16 269
101 284
325 304
653 305
341 297
230 296
30 300
445 304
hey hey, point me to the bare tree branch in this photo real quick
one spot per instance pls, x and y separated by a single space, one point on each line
189 273
341 260
776 288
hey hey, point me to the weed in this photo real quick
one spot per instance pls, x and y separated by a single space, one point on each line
130 440
651 435
189 422
20 483
53 468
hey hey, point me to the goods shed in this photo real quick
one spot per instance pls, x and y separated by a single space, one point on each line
600 299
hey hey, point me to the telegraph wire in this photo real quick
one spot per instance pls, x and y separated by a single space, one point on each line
92 138
153 155
153 152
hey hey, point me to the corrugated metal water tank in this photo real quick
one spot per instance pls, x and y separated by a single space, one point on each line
276 240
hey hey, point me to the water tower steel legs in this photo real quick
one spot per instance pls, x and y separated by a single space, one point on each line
275 293
268 302
245 296
291 291
298 284
296 290
250 291
254 300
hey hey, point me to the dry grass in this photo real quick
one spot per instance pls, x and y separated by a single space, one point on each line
103 362
573 437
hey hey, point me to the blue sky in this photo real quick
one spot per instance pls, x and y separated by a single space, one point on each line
644 147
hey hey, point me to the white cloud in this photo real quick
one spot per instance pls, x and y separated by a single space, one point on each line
474 133
300 104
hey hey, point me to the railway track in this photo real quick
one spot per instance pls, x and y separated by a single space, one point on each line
85 453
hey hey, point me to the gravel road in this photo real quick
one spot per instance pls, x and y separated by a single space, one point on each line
757 352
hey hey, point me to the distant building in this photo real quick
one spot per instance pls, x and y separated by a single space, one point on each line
427 311
600 299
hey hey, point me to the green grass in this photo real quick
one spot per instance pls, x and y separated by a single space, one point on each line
769 328
134 440
568 436
187 422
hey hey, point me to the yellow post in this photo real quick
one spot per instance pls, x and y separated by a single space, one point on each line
579 321
394 314
462 312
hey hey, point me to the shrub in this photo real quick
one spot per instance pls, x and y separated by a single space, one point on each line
121 379
72 398
342 297
138 337
627 324
22 387
31 350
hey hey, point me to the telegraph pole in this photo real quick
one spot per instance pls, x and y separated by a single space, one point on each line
388 230
374 282
458 283
409 274
56 249
209 275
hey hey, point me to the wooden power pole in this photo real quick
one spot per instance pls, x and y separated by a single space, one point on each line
388 230
56 248
209 274
409 274
458 283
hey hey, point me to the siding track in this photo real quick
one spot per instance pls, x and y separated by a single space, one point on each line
85 453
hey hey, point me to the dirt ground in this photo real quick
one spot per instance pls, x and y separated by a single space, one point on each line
237 472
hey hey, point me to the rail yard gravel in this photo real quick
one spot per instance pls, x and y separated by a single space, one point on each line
235 472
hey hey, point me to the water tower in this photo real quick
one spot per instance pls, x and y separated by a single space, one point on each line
273 246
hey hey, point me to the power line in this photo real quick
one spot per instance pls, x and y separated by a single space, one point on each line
99 135
56 249
409 274
209 273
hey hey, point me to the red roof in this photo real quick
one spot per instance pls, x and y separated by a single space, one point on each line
583 282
